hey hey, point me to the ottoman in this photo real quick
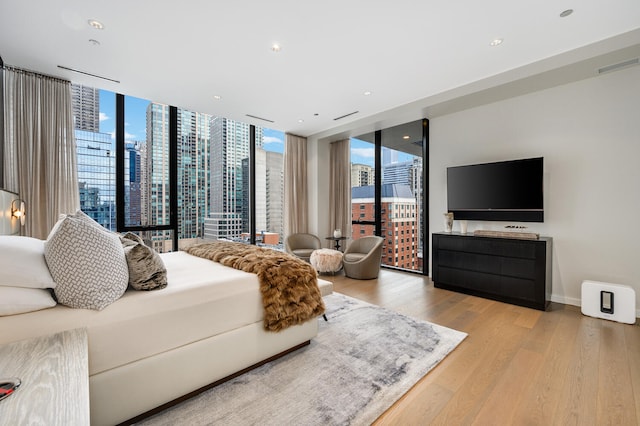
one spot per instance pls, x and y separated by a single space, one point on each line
326 260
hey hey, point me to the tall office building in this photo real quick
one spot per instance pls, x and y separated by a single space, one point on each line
155 188
133 177
193 172
269 193
194 142
96 179
85 102
96 157
230 141
274 181
397 173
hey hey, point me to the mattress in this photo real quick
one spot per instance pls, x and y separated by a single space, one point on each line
202 299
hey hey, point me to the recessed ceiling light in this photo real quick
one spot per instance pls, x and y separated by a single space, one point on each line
301 121
566 13
96 24
217 97
496 42
276 47
367 93
405 137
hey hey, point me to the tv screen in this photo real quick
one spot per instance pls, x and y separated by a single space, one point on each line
502 191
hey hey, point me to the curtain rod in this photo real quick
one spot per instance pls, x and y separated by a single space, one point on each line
30 72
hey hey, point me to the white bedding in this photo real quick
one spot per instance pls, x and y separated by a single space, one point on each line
202 299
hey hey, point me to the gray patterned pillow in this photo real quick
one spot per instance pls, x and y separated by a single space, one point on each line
146 268
87 263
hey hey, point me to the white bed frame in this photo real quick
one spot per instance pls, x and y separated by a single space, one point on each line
123 393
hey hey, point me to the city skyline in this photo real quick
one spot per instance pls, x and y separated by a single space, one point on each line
135 121
208 145
212 175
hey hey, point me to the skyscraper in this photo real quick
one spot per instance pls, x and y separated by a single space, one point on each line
230 141
155 179
85 102
397 173
96 180
133 177
274 182
269 192
193 170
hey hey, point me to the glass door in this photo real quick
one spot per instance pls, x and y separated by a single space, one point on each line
397 203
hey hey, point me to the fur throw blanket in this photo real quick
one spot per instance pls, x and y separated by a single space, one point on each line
289 286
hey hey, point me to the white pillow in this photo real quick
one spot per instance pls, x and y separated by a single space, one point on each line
87 263
22 263
18 300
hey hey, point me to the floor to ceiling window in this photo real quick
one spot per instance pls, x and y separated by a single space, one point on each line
269 189
212 169
397 203
94 118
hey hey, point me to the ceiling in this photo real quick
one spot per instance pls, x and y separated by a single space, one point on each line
406 53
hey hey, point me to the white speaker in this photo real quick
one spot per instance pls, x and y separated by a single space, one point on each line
615 302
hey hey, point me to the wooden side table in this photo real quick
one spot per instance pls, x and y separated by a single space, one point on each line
54 371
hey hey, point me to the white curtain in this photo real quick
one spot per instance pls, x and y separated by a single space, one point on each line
340 187
295 185
40 161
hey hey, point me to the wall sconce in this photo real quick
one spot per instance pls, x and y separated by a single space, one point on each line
17 210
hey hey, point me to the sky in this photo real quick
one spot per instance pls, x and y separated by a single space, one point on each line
273 140
136 115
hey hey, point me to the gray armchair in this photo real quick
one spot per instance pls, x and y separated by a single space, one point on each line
302 245
362 258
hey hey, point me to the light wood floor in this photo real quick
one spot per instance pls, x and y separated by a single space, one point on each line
518 366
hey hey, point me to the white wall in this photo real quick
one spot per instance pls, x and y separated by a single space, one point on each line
589 135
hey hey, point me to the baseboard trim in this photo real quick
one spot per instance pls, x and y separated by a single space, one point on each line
575 302
566 300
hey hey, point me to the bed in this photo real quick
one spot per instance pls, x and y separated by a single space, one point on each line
148 348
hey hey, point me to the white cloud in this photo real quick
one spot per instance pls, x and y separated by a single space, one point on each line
127 136
104 117
363 152
271 139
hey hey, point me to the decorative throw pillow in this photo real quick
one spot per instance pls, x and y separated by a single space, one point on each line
19 300
22 263
146 268
87 263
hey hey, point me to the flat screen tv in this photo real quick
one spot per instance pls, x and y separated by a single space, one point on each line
502 191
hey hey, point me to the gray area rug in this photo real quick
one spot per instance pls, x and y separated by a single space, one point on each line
362 361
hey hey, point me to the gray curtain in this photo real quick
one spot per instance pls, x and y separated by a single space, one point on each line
340 187
40 161
296 202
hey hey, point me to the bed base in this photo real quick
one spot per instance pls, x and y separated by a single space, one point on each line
209 386
144 387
